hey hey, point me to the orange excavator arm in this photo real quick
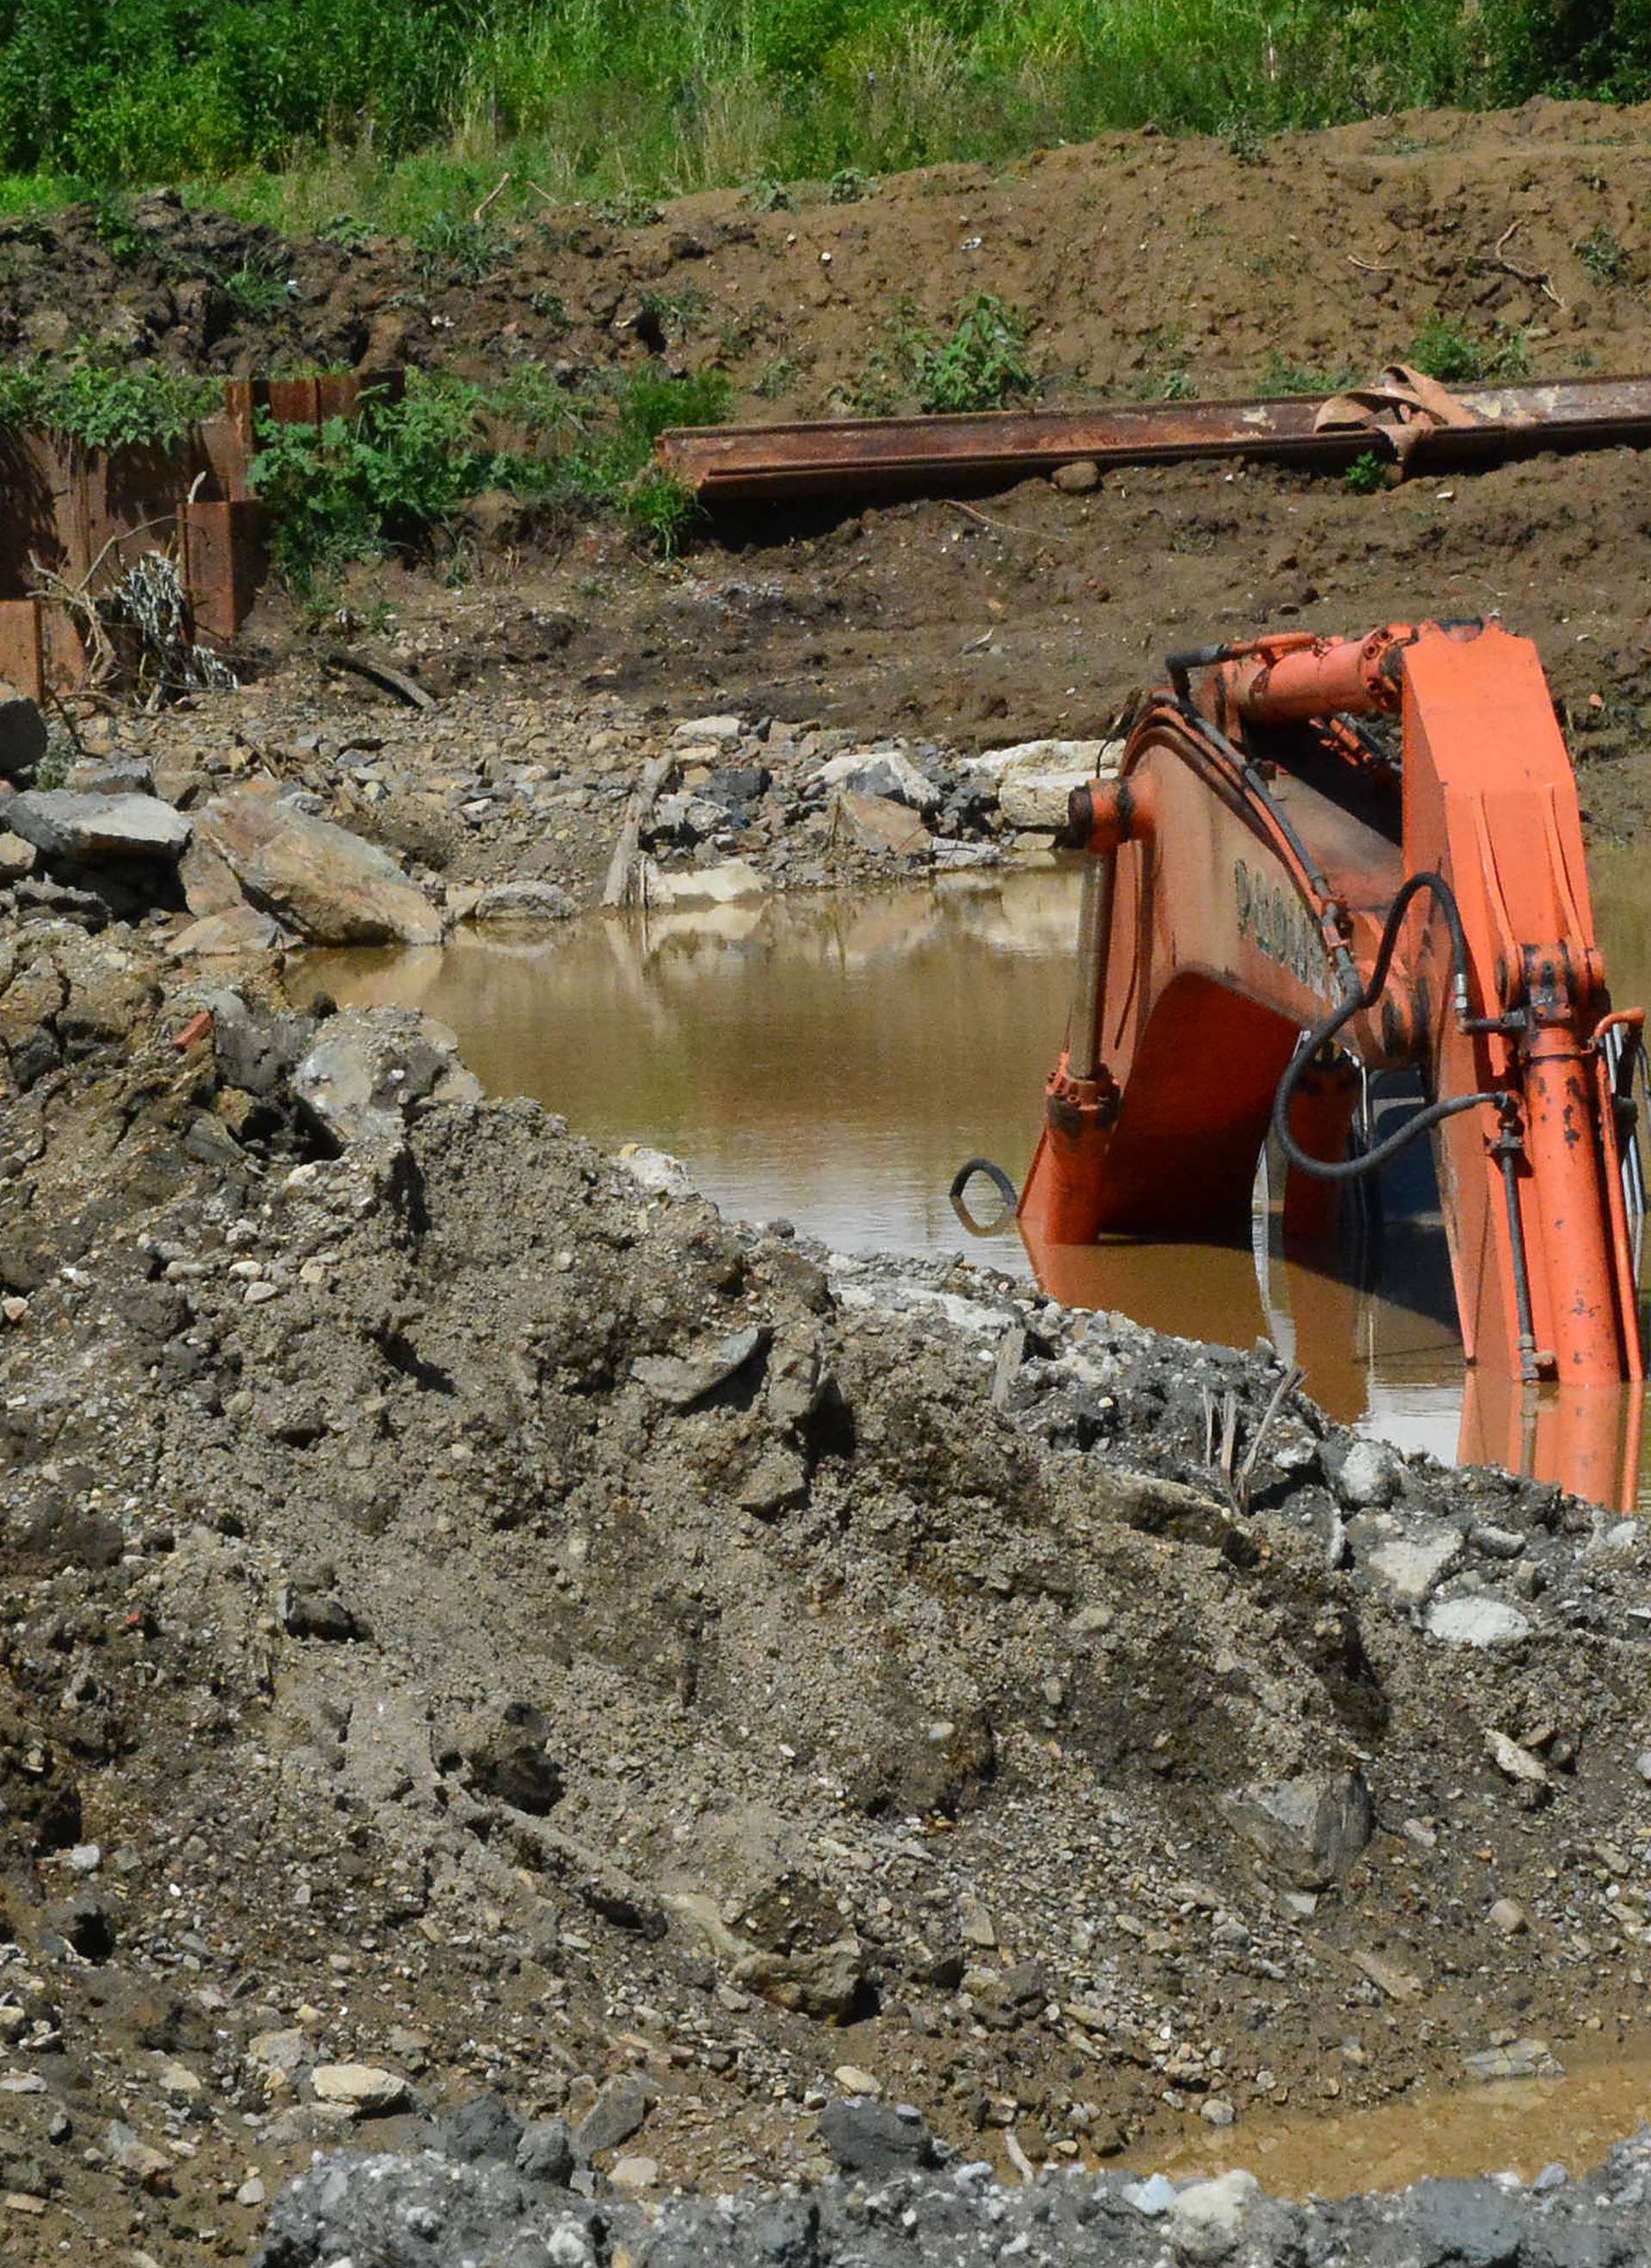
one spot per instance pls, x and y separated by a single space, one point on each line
1280 904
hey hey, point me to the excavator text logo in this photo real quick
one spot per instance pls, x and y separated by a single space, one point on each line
1280 925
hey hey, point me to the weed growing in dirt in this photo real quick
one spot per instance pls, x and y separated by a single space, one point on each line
1178 386
769 197
979 364
256 290
676 312
1449 351
101 405
1366 473
1280 375
1604 255
450 249
848 185
348 229
629 210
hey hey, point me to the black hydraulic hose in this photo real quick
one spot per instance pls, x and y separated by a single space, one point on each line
1352 1169
999 1181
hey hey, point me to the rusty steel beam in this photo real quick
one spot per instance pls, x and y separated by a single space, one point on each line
872 456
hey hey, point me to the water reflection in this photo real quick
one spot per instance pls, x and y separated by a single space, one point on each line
833 1063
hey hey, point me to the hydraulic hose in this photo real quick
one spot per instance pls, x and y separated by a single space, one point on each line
999 1181
1353 1169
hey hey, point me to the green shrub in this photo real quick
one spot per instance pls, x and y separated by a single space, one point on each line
1366 473
102 405
393 477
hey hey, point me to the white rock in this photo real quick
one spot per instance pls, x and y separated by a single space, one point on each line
1477 1621
687 885
1207 2216
361 2089
1411 1565
884 772
655 1170
710 728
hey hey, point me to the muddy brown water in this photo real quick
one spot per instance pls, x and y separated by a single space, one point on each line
832 1063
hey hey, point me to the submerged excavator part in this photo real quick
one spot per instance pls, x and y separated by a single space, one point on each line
1279 905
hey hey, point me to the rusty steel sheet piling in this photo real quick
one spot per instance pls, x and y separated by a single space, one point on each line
861 457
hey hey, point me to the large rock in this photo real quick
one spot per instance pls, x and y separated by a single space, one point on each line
879 824
318 879
22 734
830 1984
1476 1620
370 1067
1035 779
875 2139
886 773
701 886
1311 1829
64 825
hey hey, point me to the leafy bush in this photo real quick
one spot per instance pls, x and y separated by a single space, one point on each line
395 475
1366 473
101 405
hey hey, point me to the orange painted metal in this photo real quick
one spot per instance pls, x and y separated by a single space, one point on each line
1255 849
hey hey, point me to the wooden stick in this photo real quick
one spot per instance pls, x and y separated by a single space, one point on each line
619 888
497 190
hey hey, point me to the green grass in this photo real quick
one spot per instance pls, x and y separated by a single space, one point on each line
302 111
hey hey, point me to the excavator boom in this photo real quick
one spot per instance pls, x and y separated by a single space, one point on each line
1326 859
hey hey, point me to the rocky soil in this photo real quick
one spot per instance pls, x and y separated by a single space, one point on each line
408 2213
498 1656
481 1622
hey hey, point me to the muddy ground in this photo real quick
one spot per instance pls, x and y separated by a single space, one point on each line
477 1615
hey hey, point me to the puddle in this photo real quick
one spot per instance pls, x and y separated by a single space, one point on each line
833 1063
1513 2126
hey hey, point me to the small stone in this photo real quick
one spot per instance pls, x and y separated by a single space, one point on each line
178 2081
1508 1916
1368 1476
251 2193
876 2139
1081 477
522 904
853 2081
85 1858
282 2050
619 2110
361 2089
1216 2112
546 2151
1515 1763
977 1923
485 2127
634 2173
150 2168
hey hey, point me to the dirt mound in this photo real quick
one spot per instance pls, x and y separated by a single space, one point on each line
480 1619
1144 263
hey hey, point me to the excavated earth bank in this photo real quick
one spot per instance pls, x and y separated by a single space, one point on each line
481 1622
